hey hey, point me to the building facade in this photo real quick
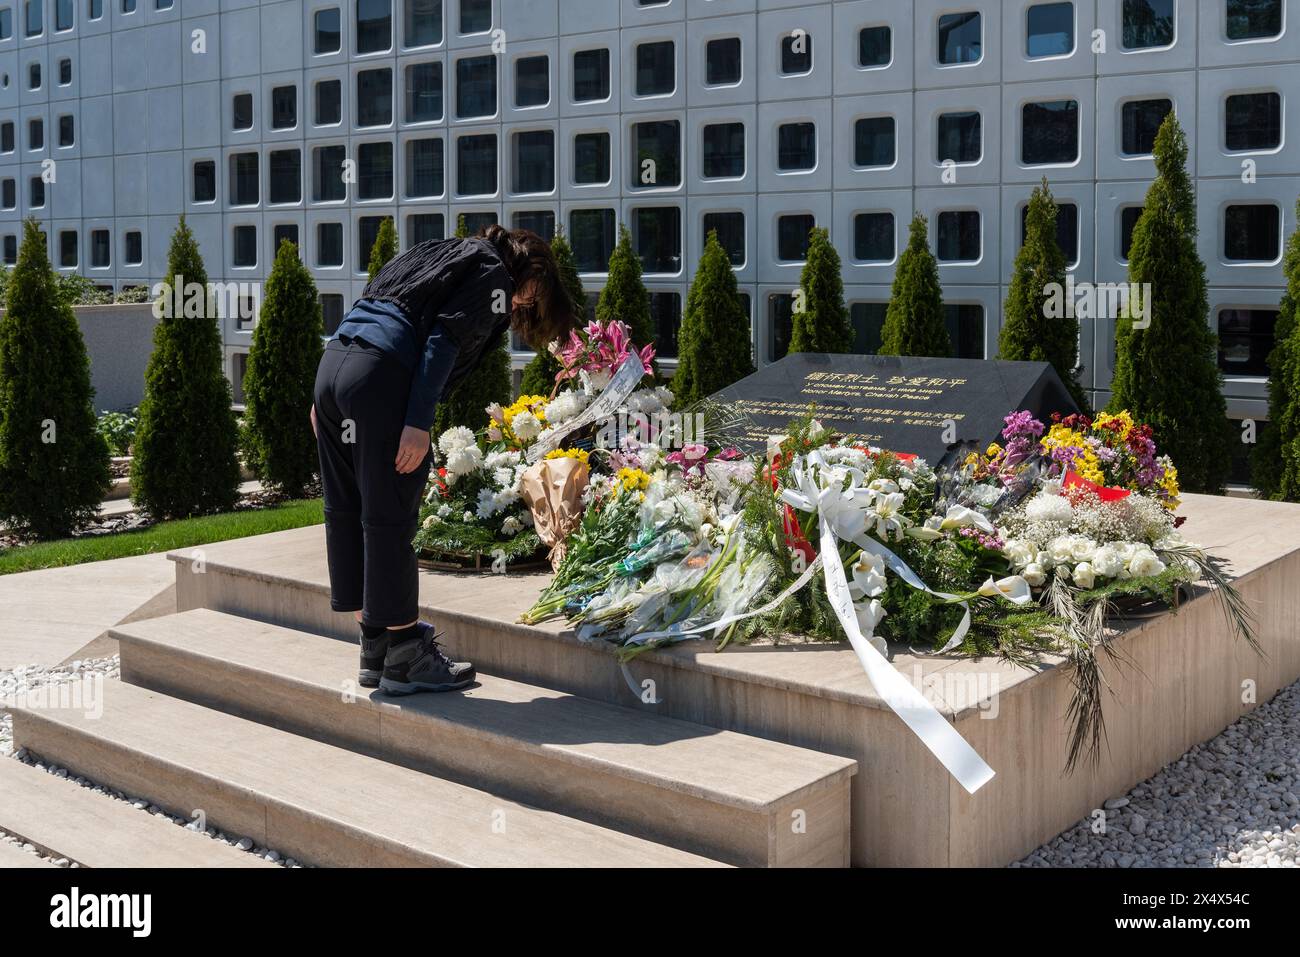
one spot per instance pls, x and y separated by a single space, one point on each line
314 119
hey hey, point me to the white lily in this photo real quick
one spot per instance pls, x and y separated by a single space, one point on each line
1013 588
959 516
868 576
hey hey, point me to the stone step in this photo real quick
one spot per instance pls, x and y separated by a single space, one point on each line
315 802
725 795
13 856
64 819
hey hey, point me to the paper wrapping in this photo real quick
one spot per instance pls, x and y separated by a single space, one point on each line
552 490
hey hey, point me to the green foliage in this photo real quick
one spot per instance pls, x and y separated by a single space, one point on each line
385 247
462 230
539 374
914 322
53 461
1029 333
185 450
1275 462
132 294
714 346
118 430
1166 375
822 325
486 383
625 297
281 377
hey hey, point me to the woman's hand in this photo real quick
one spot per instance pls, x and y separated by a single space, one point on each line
411 449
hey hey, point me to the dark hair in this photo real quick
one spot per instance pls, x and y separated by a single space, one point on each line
544 310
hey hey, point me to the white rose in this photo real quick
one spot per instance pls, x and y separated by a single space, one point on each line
1018 553
1034 574
1083 549
1083 575
1107 562
1145 564
511 525
1061 549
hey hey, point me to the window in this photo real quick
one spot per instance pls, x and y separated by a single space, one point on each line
284 107
163 4
657 238
95 9
1067 230
367 233
475 223
532 81
63 14
34 76
1245 340
656 68
1139 122
1253 19
243 179
476 86
36 190
792 236
796 53
592 235
329 244
965 322
1049 132
1049 30
328 33
67 248
961 38
591 159
329 102
534 165
958 236
730 228
959 137
874 141
375 170
6 31
65 71
282 232
780 323
327 174
666 317
424 168
375 97
423 24
286 176
1128 219
6 137
724 150
1147 23
243 246
205 181
100 257
476 165
590 75
423 92
374 25
656 154
423 227
873 237
475 16
34 16
35 134
331 310
9 194
722 62
541 222
875 47
796 146
67 131
241 108
134 248
1253 121
868 322
1252 233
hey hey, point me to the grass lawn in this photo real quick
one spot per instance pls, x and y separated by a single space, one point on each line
161 537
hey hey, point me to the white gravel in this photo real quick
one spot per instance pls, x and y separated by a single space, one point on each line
33 677
1231 802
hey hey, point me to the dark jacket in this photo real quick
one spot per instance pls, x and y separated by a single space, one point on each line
454 297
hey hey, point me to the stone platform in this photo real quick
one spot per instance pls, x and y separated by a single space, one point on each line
1185 678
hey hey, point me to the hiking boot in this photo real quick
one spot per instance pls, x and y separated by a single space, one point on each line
373 651
418 664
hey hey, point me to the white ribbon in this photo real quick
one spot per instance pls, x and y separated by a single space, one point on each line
623 383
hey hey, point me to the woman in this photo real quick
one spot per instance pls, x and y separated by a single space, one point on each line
421 325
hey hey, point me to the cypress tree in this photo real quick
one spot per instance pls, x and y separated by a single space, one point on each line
715 348
1275 461
1166 374
624 296
384 248
281 377
822 325
1029 333
914 322
53 462
539 374
186 443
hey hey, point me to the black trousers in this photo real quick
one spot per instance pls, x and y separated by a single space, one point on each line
371 511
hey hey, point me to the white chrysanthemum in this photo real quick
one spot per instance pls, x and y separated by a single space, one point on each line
505 498
444 510
487 503
511 525
565 406
455 439
464 460
504 477
665 395
467 516
1049 508
526 426
501 459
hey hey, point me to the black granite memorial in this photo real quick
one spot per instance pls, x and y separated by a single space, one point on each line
901 403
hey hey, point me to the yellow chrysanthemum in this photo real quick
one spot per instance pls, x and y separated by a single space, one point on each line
579 454
525 403
633 480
